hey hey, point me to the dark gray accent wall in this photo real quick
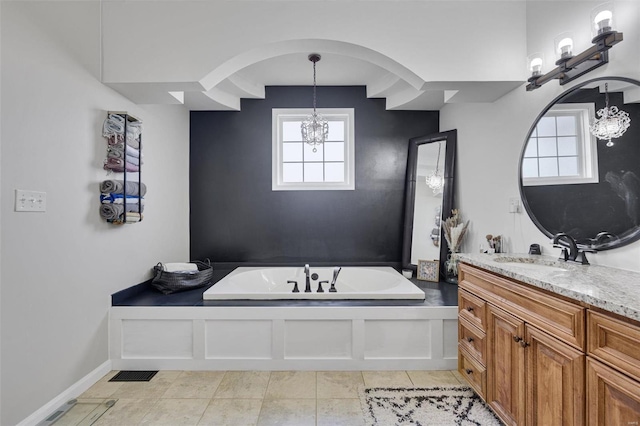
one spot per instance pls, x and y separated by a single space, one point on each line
236 217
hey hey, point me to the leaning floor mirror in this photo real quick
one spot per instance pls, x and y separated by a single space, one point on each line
428 198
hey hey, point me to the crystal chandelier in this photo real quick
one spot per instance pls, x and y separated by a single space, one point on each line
612 123
315 129
435 181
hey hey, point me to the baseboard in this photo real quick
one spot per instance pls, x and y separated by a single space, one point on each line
70 393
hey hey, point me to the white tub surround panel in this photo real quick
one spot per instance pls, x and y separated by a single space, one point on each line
614 290
284 338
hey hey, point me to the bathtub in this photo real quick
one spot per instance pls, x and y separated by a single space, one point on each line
270 283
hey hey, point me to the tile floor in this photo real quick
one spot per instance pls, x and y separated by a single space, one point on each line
239 398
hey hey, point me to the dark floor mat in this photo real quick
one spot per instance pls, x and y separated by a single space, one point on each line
133 376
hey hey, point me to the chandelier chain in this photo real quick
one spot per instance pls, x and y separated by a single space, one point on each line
314 128
314 87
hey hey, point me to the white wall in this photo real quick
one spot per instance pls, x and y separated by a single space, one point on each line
0 210
60 267
491 136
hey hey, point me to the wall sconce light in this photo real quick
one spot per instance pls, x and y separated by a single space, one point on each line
570 67
563 45
534 65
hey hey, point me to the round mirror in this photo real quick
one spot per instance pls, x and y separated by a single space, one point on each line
574 182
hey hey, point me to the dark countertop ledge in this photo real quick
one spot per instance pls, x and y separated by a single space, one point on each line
144 294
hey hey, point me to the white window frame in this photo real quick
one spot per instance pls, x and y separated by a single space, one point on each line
346 115
587 148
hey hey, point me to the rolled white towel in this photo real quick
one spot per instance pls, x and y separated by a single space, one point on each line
179 267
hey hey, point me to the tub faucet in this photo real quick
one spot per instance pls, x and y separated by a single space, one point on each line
336 271
307 282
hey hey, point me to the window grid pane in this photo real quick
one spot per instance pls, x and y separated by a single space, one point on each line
301 164
553 148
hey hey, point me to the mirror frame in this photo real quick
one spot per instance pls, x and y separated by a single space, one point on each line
450 139
628 239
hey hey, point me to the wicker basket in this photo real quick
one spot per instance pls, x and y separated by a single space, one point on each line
173 282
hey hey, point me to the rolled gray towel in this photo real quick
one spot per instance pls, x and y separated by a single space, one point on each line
116 186
111 211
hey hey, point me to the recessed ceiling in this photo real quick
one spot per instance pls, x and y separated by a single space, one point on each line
296 70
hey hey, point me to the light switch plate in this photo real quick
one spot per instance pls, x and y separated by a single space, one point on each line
30 201
514 205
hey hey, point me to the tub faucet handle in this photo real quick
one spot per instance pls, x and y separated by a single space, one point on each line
295 286
320 290
336 271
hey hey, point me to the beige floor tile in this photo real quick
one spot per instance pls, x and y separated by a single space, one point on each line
109 375
386 379
126 412
101 389
460 377
339 412
174 412
79 412
291 384
433 378
166 375
231 412
80 400
195 384
140 390
243 384
288 412
154 388
339 384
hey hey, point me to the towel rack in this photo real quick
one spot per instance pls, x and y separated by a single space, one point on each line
128 119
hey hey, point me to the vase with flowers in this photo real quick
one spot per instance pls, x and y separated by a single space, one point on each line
454 231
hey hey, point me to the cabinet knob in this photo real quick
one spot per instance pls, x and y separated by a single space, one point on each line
469 339
470 308
524 344
517 339
468 371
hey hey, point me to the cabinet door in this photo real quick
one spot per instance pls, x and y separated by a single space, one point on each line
612 398
505 365
554 380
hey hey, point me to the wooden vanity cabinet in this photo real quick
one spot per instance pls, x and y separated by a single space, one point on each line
534 357
613 370
541 359
554 381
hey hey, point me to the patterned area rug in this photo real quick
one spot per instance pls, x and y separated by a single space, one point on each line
437 406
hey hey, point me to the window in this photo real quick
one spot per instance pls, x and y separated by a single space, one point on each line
561 150
297 167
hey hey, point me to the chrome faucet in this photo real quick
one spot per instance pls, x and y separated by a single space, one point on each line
307 282
574 253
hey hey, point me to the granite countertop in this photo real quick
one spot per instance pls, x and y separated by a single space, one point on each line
614 290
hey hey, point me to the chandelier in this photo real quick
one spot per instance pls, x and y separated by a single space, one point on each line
612 123
315 129
435 181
